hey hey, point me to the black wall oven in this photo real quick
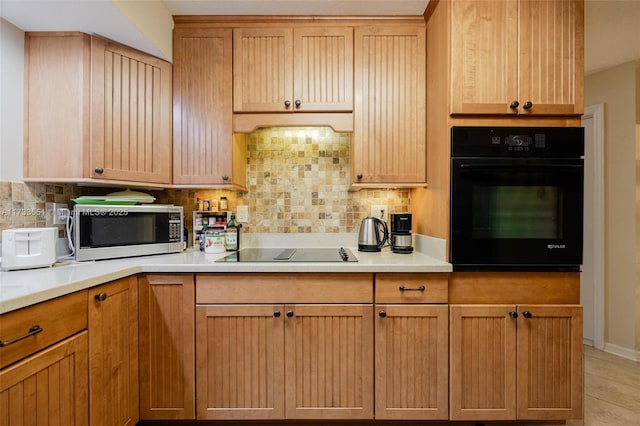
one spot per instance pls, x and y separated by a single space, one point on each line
516 198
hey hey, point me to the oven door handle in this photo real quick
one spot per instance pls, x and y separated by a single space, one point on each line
511 166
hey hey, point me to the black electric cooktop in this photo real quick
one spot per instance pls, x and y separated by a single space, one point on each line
290 255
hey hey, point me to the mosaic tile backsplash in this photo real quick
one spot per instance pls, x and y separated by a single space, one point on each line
297 179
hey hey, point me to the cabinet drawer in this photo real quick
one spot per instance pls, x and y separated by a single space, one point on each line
284 288
56 319
412 288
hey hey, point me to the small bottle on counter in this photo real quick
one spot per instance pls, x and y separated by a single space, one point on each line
213 205
207 205
223 203
232 234
199 204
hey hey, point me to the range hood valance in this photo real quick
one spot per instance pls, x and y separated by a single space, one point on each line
339 122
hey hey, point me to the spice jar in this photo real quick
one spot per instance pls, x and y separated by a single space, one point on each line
199 204
223 203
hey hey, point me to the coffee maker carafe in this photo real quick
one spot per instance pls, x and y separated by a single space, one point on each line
401 239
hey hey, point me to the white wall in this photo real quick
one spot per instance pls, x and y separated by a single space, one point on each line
11 101
616 88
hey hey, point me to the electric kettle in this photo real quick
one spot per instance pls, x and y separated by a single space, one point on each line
373 234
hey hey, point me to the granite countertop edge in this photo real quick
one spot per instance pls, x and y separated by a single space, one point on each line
19 289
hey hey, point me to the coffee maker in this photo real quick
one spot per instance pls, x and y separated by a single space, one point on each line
401 239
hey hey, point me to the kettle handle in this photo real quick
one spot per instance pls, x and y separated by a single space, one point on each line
385 229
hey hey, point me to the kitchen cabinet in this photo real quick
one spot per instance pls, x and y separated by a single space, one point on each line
281 69
260 356
513 362
205 150
96 111
389 119
167 345
520 57
44 356
411 347
113 353
49 387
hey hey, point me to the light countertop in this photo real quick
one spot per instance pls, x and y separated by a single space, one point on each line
19 289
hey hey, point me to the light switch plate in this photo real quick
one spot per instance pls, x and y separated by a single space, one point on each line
243 214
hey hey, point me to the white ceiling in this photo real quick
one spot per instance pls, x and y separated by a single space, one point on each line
612 27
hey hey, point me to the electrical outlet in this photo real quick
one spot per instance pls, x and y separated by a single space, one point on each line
243 214
380 211
60 213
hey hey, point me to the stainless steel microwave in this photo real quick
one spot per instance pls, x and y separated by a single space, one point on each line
112 231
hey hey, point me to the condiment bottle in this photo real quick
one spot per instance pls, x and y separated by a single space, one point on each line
223 203
199 204
232 234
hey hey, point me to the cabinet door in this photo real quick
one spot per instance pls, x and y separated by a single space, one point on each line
262 69
550 362
167 344
389 125
202 97
329 361
482 362
551 56
484 56
130 114
323 69
48 388
239 362
113 353
412 365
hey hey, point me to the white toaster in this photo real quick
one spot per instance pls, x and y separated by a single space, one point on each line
24 248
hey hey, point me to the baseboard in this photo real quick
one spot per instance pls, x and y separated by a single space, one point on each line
622 351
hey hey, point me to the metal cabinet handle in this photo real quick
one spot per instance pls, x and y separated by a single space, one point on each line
101 297
528 105
298 102
513 314
287 103
403 288
382 314
527 314
33 330
225 177
289 314
514 105
99 170
359 176
276 314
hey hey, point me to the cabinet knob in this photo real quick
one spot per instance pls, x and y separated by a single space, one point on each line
382 314
298 102
99 170
513 314
287 103
276 314
359 176
527 314
101 297
225 177
289 314
514 105
527 105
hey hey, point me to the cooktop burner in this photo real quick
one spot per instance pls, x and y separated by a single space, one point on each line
290 255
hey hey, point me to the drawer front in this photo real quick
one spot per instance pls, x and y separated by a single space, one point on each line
284 288
26 331
412 288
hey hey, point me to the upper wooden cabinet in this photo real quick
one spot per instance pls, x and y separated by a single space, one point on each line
302 69
205 151
95 111
389 124
517 57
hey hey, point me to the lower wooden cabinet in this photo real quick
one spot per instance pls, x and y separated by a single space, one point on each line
412 362
50 386
513 362
284 361
167 345
113 353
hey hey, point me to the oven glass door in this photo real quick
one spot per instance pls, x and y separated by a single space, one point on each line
114 229
516 214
